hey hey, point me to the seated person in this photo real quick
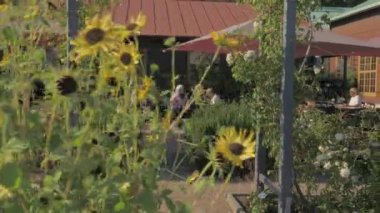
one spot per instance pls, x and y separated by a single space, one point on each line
178 100
212 97
355 100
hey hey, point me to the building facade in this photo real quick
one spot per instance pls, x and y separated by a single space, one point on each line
361 22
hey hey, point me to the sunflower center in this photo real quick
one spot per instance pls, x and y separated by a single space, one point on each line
236 148
131 26
94 36
67 85
126 58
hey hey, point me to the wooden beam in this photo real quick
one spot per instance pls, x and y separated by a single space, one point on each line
267 182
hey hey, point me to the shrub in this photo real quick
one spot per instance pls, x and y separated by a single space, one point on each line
203 125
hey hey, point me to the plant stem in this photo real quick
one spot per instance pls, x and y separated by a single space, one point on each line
225 183
135 117
173 69
67 116
70 181
4 130
209 164
48 136
143 69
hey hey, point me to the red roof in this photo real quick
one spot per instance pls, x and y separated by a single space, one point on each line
182 18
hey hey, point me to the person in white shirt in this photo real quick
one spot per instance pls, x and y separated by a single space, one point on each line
355 100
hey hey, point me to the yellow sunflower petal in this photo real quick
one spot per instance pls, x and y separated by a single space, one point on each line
100 34
235 146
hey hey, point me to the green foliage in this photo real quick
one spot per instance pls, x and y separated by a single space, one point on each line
338 153
93 150
313 130
207 120
219 78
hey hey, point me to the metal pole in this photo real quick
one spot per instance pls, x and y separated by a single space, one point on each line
72 25
286 163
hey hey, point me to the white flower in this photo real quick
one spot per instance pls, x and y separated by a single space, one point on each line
345 149
256 24
344 172
230 59
339 136
317 163
327 165
336 163
330 154
345 164
322 148
249 55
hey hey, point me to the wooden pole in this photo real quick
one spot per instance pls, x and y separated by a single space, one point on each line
72 25
345 61
286 160
260 161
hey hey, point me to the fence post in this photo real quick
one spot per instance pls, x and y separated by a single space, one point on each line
260 161
286 123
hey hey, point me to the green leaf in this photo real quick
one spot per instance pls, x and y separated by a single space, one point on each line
147 200
170 204
9 34
166 192
44 21
10 175
154 68
14 145
119 206
169 41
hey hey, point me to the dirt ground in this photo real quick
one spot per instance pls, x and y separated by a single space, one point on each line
209 200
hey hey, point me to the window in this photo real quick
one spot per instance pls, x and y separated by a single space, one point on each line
367 74
367 63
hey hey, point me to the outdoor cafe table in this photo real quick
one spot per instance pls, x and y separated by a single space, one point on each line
330 107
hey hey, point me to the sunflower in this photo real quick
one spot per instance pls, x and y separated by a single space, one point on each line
67 85
4 59
108 78
145 88
135 25
127 58
235 146
4 4
100 34
224 40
